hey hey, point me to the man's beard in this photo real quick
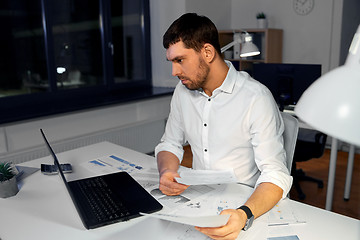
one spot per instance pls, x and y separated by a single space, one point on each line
201 77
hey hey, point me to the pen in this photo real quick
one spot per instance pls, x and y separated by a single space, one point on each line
285 224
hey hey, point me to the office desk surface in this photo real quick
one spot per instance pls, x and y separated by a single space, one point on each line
44 210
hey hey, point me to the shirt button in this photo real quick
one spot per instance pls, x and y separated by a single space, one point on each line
205 150
209 99
205 124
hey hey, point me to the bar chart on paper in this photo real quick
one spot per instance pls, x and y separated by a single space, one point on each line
111 163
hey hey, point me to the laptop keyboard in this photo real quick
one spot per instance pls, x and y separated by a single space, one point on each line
105 205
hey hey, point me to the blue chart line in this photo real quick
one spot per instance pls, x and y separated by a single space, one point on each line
97 163
105 163
126 162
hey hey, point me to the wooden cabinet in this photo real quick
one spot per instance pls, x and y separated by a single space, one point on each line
269 42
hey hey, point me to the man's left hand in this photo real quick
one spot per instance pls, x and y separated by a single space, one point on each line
231 230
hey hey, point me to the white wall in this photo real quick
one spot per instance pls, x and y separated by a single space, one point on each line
23 136
313 39
162 14
217 11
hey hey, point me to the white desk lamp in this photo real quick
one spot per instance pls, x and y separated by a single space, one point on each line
332 105
248 48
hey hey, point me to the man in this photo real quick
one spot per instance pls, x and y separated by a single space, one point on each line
230 120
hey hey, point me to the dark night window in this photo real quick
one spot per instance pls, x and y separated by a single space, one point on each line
60 56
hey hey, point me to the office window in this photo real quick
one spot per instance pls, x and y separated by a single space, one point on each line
77 43
22 58
59 56
128 46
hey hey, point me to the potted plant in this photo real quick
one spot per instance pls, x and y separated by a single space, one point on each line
261 20
8 184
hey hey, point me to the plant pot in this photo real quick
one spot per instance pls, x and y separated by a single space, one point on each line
8 188
262 23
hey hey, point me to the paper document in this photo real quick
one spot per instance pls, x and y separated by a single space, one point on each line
23 172
283 214
149 179
110 164
206 177
292 237
202 221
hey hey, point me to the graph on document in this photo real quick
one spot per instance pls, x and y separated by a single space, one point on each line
111 163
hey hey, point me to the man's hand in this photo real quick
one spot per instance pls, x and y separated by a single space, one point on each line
265 196
231 230
168 184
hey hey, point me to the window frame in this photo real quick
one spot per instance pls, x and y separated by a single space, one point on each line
34 105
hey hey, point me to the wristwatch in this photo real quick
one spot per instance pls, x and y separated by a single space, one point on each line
250 217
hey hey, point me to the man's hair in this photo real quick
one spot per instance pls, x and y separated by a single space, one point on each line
194 31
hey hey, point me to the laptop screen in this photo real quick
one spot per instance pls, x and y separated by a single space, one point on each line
56 161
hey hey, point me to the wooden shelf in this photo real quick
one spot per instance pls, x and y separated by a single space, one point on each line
269 41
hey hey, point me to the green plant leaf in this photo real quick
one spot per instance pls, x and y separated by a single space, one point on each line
260 15
6 172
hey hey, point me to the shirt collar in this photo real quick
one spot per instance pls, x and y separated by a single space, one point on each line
229 82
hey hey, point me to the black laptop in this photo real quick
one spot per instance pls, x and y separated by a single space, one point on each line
107 199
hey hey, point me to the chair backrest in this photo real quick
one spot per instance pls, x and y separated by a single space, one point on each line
310 144
290 136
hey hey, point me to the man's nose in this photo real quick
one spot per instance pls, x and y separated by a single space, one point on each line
175 70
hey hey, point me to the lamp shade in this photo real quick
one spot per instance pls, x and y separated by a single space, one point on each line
332 103
249 49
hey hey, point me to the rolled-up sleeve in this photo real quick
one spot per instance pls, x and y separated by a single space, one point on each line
173 138
267 139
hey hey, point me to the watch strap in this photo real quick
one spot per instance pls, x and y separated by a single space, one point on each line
250 217
247 211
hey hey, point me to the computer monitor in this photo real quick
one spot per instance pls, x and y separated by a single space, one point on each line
287 82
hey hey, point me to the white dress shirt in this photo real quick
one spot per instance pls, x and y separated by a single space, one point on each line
239 127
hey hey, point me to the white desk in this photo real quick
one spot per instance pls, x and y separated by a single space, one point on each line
43 209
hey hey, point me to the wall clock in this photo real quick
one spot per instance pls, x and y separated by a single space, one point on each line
303 7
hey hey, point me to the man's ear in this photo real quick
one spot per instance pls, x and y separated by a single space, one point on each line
208 52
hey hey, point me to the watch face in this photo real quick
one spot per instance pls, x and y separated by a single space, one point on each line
248 223
303 7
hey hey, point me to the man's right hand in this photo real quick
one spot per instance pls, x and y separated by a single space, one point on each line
168 184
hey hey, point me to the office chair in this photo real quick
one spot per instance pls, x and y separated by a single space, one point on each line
310 144
290 136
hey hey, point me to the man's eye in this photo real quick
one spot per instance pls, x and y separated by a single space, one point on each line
179 60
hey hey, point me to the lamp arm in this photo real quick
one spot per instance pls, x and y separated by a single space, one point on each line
236 41
226 47
353 57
